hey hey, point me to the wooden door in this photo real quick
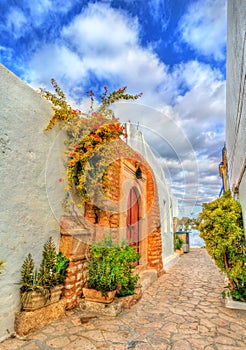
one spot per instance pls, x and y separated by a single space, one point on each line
132 224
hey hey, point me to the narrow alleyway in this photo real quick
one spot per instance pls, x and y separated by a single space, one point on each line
182 310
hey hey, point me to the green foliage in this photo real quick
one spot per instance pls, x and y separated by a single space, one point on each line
111 267
31 280
186 223
27 271
91 140
48 264
52 271
63 112
178 242
62 263
221 227
53 266
1 265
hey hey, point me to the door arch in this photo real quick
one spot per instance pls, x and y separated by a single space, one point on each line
132 220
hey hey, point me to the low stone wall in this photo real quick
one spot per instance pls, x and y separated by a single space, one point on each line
28 321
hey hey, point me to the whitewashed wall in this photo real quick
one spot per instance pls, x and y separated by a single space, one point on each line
167 202
31 163
26 218
236 98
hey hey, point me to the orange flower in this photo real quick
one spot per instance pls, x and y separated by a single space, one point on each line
71 163
60 179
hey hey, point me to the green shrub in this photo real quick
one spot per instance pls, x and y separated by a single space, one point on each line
221 227
111 267
178 242
52 271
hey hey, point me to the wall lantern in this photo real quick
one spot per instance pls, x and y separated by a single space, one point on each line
138 173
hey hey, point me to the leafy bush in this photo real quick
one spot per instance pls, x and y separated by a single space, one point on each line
53 266
221 227
178 242
111 267
52 271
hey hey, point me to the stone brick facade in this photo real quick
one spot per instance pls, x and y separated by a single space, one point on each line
111 219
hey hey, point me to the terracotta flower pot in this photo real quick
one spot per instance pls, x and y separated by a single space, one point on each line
180 251
35 300
98 296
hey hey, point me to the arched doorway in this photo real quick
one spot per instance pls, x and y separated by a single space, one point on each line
132 220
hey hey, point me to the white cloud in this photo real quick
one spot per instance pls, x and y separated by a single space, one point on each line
54 61
102 31
40 9
104 41
16 22
191 97
203 28
193 74
160 11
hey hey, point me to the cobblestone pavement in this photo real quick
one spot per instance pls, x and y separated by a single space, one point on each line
182 310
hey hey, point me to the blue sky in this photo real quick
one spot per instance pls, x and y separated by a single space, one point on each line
174 51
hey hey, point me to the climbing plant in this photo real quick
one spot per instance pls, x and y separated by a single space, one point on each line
91 140
221 227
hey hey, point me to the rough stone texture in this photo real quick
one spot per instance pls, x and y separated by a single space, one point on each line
113 309
98 222
74 282
236 98
28 321
147 277
122 180
182 309
26 218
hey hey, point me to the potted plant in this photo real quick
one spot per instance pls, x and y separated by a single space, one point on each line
178 244
110 270
43 286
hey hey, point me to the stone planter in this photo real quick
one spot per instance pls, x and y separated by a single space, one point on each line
35 300
180 251
97 296
28 321
233 304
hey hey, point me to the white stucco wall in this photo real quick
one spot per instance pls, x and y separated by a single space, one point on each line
236 98
167 202
26 218
31 163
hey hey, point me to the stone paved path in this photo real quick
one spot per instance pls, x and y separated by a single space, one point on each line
182 310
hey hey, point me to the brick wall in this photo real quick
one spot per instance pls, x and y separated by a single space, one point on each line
98 222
